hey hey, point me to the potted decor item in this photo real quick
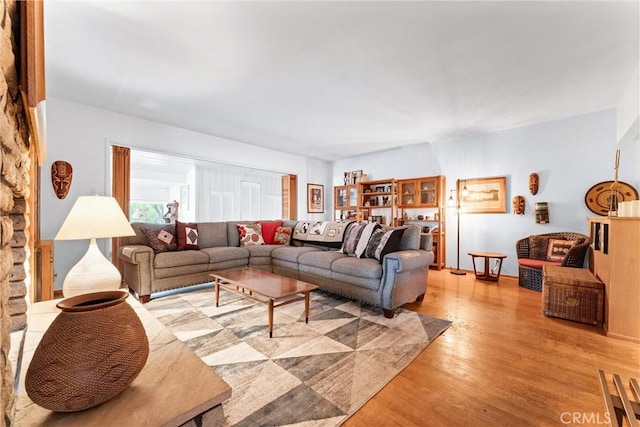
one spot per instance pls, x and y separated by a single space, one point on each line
91 352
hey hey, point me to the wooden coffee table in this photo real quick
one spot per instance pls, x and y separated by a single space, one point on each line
264 287
487 274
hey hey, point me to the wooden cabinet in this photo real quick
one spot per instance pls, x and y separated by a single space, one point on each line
615 259
377 201
422 202
345 201
419 192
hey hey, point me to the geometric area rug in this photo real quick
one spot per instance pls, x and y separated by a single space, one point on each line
315 374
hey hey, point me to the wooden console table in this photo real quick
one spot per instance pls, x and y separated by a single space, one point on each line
487 274
174 387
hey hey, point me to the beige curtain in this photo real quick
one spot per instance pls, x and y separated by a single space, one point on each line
120 189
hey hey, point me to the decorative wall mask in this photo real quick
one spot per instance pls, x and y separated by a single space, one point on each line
542 213
534 183
518 205
61 176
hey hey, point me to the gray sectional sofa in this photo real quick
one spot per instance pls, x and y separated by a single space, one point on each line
400 278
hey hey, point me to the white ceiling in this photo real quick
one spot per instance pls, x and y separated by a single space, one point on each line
336 79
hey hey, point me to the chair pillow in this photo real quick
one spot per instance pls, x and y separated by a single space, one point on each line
538 246
187 235
161 239
558 249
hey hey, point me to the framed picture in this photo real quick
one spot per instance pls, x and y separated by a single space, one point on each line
315 198
485 195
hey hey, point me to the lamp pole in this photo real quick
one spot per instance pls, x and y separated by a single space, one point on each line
457 271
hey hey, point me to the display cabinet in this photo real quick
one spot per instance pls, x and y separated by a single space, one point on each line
422 202
345 201
419 192
377 201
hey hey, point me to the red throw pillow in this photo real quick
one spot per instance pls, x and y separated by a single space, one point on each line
269 231
187 236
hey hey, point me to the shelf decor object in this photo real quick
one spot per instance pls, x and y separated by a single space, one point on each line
93 217
92 351
457 205
597 198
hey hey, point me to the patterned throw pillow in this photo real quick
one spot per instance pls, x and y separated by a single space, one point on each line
558 249
250 234
365 236
269 230
351 237
187 235
161 239
390 242
282 236
374 242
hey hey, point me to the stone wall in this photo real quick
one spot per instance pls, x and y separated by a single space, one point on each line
14 193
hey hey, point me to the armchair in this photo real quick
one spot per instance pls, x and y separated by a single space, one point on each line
534 252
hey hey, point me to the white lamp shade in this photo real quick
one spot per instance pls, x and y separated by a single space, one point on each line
95 217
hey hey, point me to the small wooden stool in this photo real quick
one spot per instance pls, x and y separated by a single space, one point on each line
487 274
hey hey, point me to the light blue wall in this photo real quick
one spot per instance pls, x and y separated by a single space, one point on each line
570 155
83 135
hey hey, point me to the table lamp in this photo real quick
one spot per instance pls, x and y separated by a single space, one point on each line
93 217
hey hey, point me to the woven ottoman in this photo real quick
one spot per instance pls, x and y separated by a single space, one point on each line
572 294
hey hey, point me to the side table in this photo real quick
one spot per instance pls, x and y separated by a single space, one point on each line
174 388
488 274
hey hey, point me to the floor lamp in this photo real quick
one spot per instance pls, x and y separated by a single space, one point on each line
457 271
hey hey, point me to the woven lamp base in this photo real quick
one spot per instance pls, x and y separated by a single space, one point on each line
91 352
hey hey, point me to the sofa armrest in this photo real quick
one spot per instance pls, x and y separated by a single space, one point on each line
135 254
138 268
407 260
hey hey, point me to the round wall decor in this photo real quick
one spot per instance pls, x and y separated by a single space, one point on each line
597 197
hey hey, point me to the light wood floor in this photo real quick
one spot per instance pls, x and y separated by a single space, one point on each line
502 362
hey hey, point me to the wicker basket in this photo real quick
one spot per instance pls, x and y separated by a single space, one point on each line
573 294
91 352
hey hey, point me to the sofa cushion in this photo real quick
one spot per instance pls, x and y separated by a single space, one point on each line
321 259
269 230
558 249
410 237
161 238
212 234
359 267
187 235
250 234
260 250
227 253
180 258
282 235
291 253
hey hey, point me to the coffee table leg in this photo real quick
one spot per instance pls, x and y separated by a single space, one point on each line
306 307
270 318
217 282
